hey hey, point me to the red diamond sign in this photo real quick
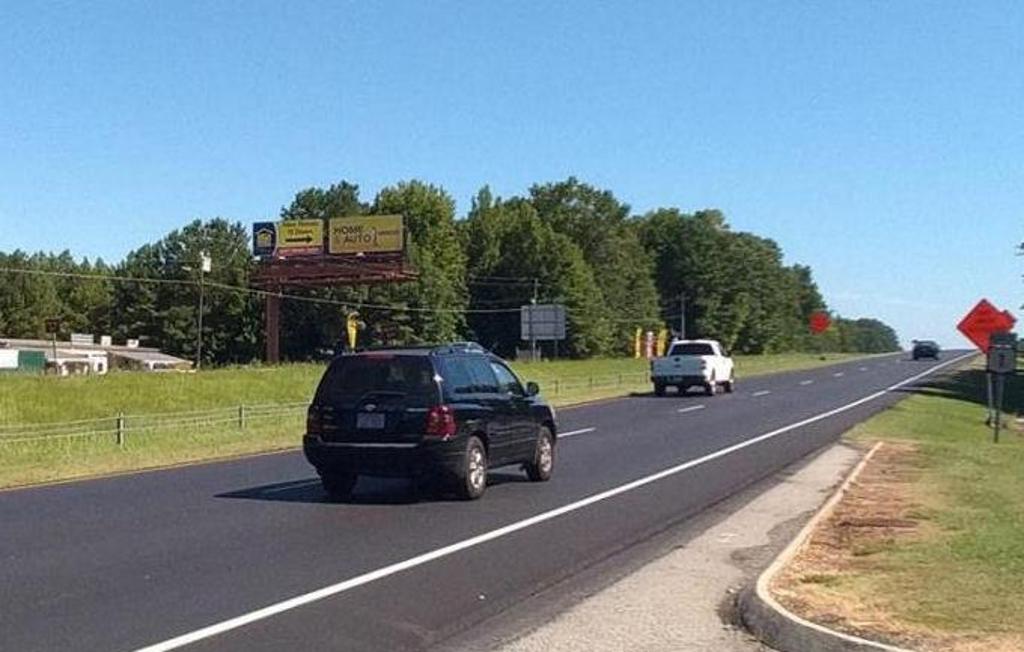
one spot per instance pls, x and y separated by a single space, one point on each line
819 322
983 320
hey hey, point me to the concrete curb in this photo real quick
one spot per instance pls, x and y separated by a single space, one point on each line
783 630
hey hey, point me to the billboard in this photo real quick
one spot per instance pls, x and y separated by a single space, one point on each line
300 237
366 234
264 238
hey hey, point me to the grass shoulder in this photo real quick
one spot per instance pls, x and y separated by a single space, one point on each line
927 548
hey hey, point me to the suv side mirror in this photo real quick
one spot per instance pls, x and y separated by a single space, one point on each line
532 388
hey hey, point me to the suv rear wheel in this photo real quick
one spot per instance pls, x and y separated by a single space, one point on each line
474 470
539 470
338 486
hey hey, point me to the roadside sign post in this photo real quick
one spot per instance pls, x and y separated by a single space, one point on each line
1001 362
541 322
989 329
52 326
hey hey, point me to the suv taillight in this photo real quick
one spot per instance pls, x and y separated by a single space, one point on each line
441 422
314 422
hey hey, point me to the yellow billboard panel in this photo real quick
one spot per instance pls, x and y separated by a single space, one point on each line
370 234
300 236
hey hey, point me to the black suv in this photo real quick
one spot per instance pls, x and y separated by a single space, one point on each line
429 413
925 349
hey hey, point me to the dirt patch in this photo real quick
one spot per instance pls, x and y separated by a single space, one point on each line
839 578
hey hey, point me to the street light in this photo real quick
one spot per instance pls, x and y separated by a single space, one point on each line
205 265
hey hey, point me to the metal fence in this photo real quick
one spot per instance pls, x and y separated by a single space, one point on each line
573 384
120 425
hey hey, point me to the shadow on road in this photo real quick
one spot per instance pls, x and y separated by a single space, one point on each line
969 385
368 491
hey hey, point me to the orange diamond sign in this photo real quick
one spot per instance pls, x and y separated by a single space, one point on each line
983 320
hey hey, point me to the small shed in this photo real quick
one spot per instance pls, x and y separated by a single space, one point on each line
146 360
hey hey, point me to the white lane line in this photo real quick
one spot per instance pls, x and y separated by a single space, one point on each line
419 560
806 382
692 408
763 392
839 374
573 433
862 368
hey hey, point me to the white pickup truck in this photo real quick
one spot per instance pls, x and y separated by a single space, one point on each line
691 363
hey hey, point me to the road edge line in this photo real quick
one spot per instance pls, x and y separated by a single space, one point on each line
316 595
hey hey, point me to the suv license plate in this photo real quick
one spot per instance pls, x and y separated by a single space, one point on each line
370 420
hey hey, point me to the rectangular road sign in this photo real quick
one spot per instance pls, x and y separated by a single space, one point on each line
366 234
1002 353
542 322
264 238
300 237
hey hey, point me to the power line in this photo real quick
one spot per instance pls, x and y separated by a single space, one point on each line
260 293
288 296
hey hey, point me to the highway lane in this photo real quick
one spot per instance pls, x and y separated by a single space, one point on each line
125 562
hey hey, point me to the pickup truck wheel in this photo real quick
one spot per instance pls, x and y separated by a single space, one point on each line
659 389
730 385
711 388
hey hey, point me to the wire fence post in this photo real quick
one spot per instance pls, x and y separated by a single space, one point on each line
241 416
120 429
556 385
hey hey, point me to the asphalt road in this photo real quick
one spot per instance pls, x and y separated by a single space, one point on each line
249 555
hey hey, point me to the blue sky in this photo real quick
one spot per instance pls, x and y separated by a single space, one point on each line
880 143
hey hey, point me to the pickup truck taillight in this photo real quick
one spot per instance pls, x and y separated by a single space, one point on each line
441 422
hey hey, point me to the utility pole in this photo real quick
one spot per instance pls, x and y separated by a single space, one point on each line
205 265
533 312
682 316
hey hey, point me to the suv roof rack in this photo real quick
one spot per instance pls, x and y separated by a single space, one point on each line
451 347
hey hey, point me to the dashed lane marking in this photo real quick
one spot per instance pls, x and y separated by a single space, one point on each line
573 433
343 586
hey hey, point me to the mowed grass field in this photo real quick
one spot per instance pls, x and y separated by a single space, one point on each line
953 579
173 418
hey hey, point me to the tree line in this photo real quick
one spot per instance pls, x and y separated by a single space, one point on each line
565 242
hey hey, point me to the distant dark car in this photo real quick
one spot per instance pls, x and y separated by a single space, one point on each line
440 413
925 349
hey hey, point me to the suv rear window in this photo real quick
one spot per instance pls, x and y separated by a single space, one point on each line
692 348
351 378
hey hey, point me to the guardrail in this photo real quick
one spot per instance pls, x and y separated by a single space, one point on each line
120 425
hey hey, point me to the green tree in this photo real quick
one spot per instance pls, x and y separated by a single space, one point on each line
164 314
26 300
600 226
513 254
431 309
